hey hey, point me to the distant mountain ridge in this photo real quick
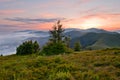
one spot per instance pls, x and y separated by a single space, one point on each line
92 38
118 31
96 30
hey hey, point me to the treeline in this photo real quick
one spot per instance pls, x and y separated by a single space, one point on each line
57 44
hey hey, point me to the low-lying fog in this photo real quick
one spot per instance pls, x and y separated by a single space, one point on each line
9 41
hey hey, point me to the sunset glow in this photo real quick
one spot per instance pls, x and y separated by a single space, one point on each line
92 23
42 14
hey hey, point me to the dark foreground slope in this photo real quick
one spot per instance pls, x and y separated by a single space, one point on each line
85 65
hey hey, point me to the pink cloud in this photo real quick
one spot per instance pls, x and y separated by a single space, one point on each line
10 12
48 15
103 15
106 21
111 27
6 0
85 1
45 26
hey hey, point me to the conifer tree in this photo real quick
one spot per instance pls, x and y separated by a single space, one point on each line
56 44
77 46
56 35
36 47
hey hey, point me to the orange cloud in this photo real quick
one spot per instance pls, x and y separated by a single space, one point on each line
104 21
103 15
41 26
111 27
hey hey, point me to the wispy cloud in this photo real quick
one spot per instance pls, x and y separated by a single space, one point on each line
106 21
37 20
103 15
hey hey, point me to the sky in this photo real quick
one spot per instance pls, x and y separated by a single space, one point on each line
43 14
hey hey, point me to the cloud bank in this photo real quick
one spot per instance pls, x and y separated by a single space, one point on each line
30 20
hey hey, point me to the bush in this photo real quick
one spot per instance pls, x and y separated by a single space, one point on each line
1 55
28 47
55 48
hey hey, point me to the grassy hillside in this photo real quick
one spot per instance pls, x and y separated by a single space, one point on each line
98 40
84 65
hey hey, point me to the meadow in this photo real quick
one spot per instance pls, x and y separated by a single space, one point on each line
83 65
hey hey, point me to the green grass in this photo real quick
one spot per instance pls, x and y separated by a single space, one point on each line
84 65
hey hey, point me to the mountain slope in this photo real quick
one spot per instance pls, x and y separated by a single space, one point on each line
98 40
